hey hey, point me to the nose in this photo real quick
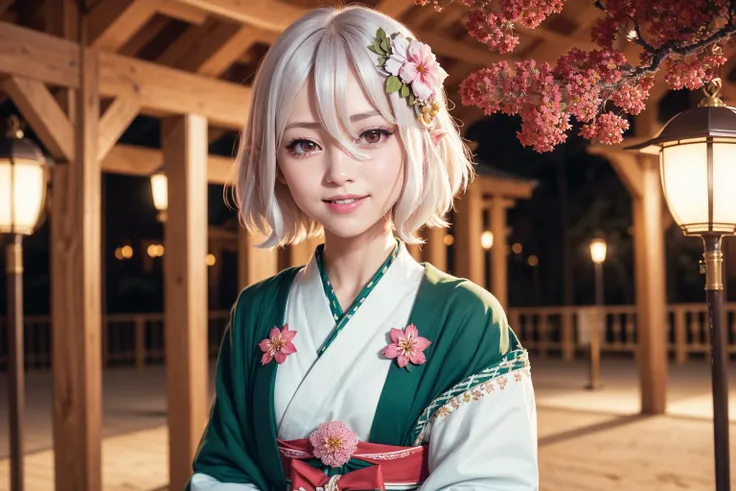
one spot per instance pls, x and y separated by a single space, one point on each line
341 167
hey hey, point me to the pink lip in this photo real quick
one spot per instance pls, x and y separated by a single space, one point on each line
344 207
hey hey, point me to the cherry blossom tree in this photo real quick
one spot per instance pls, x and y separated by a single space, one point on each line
598 88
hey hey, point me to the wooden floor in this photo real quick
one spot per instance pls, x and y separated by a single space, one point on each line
587 440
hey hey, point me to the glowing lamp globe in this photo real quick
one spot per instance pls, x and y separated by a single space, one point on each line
23 182
159 190
697 158
598 250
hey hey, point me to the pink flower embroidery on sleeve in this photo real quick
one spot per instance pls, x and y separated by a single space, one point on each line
278 345
407 346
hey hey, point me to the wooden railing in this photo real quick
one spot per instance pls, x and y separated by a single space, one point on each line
127 339
566 330
138 339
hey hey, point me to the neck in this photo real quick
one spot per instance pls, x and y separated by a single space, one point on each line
350 263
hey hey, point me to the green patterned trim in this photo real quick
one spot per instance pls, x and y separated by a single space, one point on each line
472 388
341 319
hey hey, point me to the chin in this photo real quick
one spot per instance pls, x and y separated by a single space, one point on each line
351 228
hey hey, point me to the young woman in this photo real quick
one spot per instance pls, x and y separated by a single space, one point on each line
363 369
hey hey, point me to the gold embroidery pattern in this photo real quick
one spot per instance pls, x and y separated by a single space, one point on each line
476 394
473 388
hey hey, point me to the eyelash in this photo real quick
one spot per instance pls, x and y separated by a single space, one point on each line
291 147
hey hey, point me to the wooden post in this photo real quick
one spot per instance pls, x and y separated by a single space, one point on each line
254 264
76 304
185 285
415 250
301 253
650 294
468 251
435 250
499 260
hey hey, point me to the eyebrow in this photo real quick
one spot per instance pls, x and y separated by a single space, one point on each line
315 125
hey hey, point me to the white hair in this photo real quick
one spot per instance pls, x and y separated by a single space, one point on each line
320 48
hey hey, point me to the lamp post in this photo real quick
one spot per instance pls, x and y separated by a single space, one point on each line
159 190
598 249
697 157
23 181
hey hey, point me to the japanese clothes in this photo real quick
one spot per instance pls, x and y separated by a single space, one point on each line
470 408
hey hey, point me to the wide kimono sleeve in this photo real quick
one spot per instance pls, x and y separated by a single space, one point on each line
482 432
226 456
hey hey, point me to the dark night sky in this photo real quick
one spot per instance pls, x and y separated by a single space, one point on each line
597 201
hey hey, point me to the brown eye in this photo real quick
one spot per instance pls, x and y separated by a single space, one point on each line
373 137
307 147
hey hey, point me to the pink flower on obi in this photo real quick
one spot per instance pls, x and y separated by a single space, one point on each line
407 346
333 443
421 70
277 345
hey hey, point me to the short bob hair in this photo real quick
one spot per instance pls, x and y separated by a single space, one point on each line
320 48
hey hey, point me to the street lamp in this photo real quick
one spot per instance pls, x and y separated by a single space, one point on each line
697 157
23 182
598 249
159 190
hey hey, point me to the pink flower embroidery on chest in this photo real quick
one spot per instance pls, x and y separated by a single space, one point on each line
407 346
278 345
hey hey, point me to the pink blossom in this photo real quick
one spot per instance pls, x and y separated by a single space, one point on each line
407 346
333 443
421 70
277 345
399 44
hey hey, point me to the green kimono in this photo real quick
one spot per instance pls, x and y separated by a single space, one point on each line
472 350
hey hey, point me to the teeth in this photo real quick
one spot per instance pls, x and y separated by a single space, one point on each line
343 201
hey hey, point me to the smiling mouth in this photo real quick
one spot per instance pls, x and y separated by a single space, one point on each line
344 201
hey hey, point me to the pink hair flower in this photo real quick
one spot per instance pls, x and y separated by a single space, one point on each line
278 345
407 346
333 443
421 70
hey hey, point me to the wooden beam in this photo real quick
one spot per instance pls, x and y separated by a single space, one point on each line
626 166
76 245
172 91
141 161
147 34
182 12
468 252
184 44
395 8
272 15
185 285
43 114
113 22
224 47
38 56
115 121
265 14
153 87
509 188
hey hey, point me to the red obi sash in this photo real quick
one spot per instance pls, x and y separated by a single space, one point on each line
394 466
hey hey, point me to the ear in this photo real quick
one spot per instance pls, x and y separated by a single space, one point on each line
437 135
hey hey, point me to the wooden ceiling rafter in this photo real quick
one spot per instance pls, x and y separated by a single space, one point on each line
182 12
112 23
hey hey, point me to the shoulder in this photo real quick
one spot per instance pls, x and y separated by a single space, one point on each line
472 313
